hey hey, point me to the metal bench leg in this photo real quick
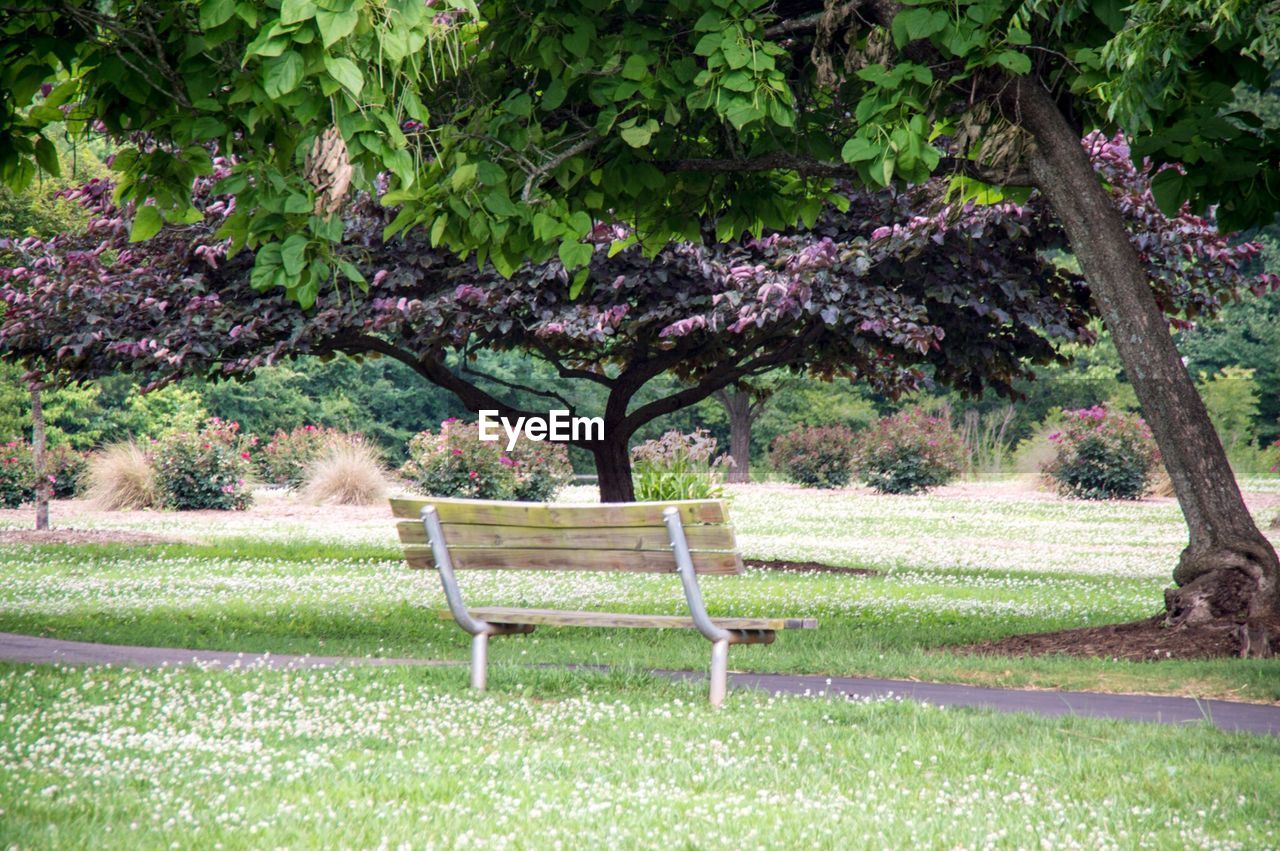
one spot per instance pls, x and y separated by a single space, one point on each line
719 637
719 671
479 660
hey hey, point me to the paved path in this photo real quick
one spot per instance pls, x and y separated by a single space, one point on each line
1246 717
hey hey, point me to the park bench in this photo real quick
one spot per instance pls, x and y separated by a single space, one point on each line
687 538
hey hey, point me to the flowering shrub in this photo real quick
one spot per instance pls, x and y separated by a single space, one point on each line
909 452
816 457
63 464
455 462
677 466
204 469
67 466
17 474
285 458
1102 454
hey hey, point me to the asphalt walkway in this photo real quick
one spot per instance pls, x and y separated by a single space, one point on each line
1228 715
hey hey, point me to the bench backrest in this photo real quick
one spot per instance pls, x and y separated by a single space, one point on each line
489 535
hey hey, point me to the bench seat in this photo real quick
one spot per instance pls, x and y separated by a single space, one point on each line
559 617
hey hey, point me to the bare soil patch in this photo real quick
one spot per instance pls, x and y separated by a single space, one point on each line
807 567
82 536
1140 641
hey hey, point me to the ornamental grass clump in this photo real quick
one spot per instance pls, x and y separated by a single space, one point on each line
455 462
815 456
286 457
1102 454
121 477
206 469
909 452
346 472
678 466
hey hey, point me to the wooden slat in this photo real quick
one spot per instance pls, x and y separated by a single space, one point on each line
639 561
552 617
557 516
603 538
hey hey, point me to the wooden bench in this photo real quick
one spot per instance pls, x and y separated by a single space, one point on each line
686 538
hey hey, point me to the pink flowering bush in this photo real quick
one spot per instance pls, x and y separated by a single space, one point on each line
285 458
208 468
455 462
677 466
17 474
1102 454
909 452
64 467
816 457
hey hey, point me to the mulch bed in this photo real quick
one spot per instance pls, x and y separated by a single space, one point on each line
808 567
80 536
1140 641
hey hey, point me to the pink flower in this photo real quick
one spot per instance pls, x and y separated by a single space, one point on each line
244 455
459 452
474 475
504 460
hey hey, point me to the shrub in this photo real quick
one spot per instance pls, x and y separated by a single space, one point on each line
455 462
1102 454
285 459
909 452
17 474
346 472
68 467
816 457
677 466
204 469
122 477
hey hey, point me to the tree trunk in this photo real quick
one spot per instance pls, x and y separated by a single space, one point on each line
737 403
613 469
39 459
1229 571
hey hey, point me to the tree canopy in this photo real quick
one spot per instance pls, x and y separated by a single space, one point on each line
870 293
509 133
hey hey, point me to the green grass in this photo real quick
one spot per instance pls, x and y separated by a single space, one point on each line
370 758
298 597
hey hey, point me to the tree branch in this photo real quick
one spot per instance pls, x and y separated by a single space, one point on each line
810 167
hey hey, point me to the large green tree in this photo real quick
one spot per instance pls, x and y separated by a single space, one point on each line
507 131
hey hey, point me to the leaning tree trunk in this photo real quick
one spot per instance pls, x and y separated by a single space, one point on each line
39 460
1229 571
737 404
613 468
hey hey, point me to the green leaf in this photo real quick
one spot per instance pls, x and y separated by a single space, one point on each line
146 224
284 74
578 42
47 156
708 44
335 26
352 273
1014 62
580 222
293 254
463 176
579 281
913 24
1170 188
553 95
214 13
637 136
574 254
437 229
859 149
294 11
346 73
636 68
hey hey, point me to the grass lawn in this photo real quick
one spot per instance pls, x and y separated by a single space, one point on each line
387 758
408 757
955 569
